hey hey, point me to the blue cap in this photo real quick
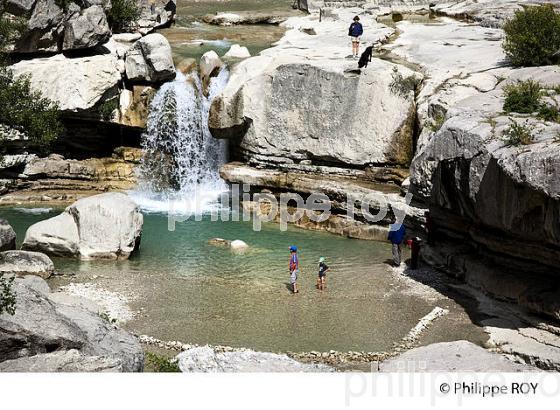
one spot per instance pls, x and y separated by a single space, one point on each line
293 248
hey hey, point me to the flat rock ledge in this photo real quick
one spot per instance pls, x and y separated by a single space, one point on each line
206 359
456 356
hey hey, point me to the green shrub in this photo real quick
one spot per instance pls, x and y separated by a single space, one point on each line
402 86
161 364
519 134
549 113
122 14
107 108
63 4
105 316
7 295
522 97
26 110
532 36
438 122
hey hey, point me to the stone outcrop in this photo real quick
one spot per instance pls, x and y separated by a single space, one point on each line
105 226
246 17
150 59
308 103
55 179
7 236
52 27
46 336
206 359
209 66
26 263
348 196
64 361
75 84
456 356
87 29
494 202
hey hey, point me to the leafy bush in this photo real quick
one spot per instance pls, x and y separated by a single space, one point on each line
122 14
519 134
532 36
7 295
549 113
438 121
107 108
400 85
26 110
161 364
522 97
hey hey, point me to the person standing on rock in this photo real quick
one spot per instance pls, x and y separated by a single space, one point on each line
396 236
355 31
294 268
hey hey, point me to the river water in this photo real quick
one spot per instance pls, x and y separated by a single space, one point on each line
182 288
191 37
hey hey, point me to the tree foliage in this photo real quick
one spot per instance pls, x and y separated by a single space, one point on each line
532 36
28 111
21 107
122 14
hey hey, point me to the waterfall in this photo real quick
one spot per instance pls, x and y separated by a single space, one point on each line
179 172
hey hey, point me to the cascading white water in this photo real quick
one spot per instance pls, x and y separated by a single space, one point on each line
179 172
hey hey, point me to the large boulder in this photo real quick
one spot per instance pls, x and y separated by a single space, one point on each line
26 263
105 226
150 60
209 66
87 29
237 51
50 27
7 236
309 103
41 326
74 83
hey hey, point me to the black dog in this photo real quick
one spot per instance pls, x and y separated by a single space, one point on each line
365 58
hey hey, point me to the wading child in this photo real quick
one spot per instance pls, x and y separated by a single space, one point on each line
294 268
322 278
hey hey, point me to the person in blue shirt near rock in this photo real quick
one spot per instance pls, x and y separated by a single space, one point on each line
355 31
396 236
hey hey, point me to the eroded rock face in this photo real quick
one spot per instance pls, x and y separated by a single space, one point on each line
26 263
150 59
7 236
293 104
105 226
469 170
46 336
74 83
87 29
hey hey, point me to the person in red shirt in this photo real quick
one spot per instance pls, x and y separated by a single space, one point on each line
294 268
